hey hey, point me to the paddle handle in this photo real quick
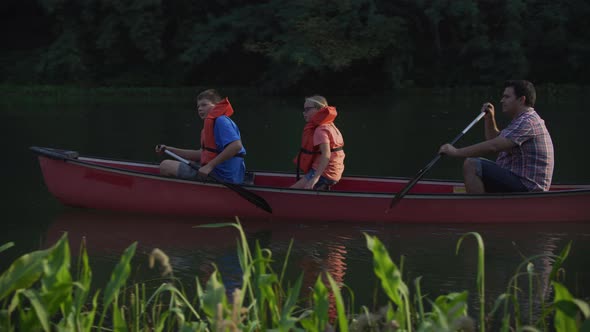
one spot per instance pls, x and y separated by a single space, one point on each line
476 120
179 158
424 170
188 162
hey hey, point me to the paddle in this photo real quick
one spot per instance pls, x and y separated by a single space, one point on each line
245 193
424 170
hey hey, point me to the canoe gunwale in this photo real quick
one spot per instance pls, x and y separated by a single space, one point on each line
94 162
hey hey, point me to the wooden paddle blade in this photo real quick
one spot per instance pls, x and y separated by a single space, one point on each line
245 193
394 202
250 196
398 197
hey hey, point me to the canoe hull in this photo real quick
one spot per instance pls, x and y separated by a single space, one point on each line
93 185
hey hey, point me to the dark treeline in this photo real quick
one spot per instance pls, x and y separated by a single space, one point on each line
279 45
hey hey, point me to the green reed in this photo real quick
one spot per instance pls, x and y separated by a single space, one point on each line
39 293
480 275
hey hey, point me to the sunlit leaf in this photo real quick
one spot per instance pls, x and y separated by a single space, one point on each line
213 296
56 283
27 269
583 306
321 304
119 275
287 321
386 270
565 315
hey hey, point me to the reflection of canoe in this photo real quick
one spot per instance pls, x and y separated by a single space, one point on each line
113 232
131 186
107 231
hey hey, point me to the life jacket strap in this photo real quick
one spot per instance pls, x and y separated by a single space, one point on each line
238 155
298 176
340 148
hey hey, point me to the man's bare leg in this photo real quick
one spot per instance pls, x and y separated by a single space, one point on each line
473 183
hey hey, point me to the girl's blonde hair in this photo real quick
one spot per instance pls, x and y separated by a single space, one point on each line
318 101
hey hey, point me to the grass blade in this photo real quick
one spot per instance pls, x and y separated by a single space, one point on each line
6 246
480 275
342 318
39 308
559 261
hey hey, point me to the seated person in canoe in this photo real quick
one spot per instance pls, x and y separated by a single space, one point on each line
321 156
221 154
525 159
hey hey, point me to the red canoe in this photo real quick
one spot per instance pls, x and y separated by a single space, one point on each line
101 183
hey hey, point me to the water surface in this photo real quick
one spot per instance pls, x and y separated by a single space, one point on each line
385 136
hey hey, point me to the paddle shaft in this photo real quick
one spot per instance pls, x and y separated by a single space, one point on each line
179 158
245 193
424 170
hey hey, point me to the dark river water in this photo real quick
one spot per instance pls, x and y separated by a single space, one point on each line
385 136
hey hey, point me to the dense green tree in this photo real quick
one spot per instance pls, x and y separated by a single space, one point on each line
345 45
301 36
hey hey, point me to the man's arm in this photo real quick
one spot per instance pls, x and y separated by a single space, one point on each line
494 145
491 128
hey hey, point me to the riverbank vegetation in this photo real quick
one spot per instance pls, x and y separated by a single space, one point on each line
339 46
41 292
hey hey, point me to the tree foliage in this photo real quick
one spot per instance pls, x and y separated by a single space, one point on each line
287 45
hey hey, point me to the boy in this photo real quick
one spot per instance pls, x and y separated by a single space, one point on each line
221 153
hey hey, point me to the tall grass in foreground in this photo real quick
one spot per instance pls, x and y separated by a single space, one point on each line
39 293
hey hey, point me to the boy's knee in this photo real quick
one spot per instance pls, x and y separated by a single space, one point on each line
167 167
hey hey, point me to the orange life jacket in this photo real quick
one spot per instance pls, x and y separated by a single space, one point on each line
308 151
208 145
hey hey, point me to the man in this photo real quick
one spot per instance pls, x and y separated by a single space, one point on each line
525 160
221 154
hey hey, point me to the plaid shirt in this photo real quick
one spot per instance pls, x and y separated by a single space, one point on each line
532 157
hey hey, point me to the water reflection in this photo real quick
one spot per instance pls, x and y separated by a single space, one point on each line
340 249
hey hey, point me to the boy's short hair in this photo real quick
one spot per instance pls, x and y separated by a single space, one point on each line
211 95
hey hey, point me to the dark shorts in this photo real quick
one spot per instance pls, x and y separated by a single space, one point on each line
186 172
323 182
497 179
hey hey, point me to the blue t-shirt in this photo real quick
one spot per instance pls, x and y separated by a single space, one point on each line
233 169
